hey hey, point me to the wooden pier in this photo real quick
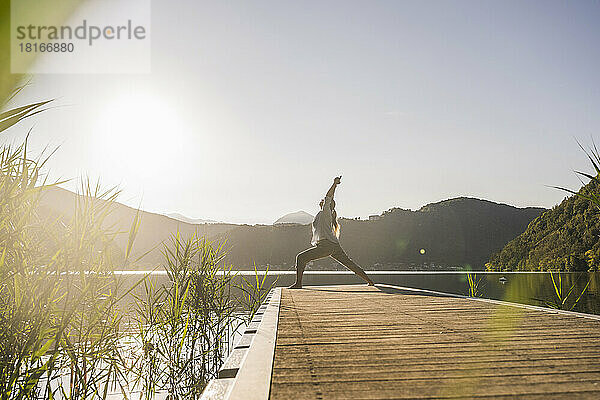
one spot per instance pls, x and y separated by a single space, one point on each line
359 342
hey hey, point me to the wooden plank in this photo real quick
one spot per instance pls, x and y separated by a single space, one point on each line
359 342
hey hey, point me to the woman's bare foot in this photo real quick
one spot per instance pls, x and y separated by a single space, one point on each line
296 286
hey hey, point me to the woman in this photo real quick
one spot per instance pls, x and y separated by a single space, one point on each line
326 231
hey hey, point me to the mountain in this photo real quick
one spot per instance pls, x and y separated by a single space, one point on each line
298 217
155 229
567 238
183 218
459 232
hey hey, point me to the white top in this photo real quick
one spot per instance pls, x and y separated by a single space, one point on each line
322 226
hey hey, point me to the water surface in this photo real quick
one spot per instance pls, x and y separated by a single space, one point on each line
535 288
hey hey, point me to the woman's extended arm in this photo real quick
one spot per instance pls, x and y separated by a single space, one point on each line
331 191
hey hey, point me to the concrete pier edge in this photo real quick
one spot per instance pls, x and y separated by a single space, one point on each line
246 374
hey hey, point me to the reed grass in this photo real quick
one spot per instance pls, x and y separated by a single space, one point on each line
474 285
58 294
593 156
66 330
15 115
562 295
185 325
62 322
254 293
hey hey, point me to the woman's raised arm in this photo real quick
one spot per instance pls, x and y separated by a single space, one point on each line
336 181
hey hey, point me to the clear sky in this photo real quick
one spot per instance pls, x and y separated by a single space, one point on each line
253 107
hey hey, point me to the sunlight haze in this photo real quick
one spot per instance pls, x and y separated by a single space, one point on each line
252 108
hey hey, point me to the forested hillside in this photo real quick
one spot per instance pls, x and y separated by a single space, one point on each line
565 238
455 232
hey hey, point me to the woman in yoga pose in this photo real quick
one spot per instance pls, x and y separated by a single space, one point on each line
325 234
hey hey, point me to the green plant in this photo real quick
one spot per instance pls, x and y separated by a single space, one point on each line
560 301
59 314
26 299
591 195
15 115
63 322
253 293
474 285
185 325
91 343
60 300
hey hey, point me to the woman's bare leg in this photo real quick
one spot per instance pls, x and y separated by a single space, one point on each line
308 255
340 256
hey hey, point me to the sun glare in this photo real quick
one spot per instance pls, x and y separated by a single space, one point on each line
138 136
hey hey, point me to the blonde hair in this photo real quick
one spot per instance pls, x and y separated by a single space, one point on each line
334 222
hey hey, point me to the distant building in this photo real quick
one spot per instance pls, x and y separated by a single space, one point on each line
374 217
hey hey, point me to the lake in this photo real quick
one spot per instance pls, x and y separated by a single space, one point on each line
535 288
